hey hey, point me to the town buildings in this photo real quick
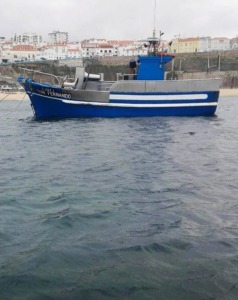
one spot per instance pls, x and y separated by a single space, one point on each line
31 47
200 44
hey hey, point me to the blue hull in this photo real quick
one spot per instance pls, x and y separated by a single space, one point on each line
46 108
145 94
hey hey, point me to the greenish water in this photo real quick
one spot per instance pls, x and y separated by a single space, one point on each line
142 208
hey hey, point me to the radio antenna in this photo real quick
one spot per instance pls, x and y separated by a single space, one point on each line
154 19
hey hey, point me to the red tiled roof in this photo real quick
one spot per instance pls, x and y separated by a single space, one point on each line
24 48
121 42
105 46
220 38
189 40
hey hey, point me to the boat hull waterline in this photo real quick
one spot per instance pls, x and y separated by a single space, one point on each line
122 105
143 92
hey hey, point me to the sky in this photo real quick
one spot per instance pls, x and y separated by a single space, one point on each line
120 19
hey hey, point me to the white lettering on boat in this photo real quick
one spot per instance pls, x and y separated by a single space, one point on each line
52 93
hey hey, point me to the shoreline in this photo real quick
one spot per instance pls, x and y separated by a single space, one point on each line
22 96
228 92
13 96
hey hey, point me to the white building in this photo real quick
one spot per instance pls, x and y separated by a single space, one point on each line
220 43
74 50
96 41
21 53
7 45
28 39
2 40
204 44
132 51
57 37
97 50
56 51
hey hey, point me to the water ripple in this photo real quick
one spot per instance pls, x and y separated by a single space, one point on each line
142 208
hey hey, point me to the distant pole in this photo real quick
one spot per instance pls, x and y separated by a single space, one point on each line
208 63
219 63
172 69
172 65
180 65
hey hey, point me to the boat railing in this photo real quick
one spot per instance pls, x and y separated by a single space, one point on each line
42 77
128 76
104 85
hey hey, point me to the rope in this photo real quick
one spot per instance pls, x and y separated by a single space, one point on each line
12 111
4 98
21 101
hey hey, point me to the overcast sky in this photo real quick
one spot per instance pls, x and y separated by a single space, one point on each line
120 19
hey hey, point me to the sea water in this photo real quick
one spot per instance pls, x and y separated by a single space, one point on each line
142 208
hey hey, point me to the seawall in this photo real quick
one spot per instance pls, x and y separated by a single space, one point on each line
222 65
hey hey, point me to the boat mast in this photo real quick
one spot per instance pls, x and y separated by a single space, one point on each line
154 31
153 41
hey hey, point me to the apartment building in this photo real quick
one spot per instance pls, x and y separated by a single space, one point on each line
204 44
56 51
220 43
57 37
28 39
97 50
21 53
180 45
132 51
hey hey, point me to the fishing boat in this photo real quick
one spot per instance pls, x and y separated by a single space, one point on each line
143 92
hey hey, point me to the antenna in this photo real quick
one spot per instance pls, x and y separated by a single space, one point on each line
153 42
154 20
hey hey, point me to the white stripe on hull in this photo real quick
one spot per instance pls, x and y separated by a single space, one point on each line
140 105
158 97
